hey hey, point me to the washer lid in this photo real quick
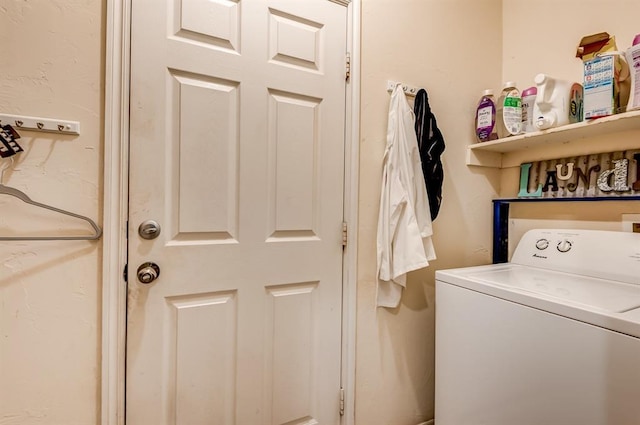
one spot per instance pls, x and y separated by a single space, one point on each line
591 292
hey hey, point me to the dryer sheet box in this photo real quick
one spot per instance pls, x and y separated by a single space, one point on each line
599 87
606 76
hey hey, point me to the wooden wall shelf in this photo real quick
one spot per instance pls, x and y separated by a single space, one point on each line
507 152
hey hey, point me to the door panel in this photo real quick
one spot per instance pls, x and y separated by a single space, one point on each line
237 149
205 159
292 164
195 337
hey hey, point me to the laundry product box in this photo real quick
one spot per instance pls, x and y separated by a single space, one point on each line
606 76
599 87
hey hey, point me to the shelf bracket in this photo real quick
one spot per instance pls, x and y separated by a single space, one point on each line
484 158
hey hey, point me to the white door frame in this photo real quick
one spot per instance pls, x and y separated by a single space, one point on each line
116 173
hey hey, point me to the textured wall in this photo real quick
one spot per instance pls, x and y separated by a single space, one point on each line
453 49
52 67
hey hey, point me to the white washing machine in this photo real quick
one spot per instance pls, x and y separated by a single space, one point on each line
551 338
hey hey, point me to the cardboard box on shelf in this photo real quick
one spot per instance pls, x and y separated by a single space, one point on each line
606 76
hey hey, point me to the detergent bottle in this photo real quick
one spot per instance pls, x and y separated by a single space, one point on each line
553 101
528 99
633 59
486 118
576 108
509 111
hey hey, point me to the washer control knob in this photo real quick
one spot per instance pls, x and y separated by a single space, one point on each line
564 245
542 244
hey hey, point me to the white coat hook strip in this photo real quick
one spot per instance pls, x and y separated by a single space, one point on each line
50 125
408 90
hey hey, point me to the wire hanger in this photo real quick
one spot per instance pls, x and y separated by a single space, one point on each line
6 190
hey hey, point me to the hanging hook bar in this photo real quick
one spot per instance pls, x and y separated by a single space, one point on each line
409 90
50 125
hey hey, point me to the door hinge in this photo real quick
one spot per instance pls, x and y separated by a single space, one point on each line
125 273
348 67
344 233
341 401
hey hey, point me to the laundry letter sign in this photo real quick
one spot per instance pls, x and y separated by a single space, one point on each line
604 174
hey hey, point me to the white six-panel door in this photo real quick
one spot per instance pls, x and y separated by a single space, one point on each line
237 150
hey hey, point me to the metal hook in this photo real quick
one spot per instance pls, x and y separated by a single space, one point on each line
40 125
19 123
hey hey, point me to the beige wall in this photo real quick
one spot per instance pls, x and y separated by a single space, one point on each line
52 66
50 292
452 49
527 53
552 48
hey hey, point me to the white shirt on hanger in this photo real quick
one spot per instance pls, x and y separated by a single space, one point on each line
404 223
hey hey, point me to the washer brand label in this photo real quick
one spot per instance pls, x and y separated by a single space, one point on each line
604 174
540 256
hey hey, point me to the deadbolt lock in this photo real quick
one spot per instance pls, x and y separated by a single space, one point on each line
149 229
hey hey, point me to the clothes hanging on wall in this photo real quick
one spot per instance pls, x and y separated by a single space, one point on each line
404 223
431 145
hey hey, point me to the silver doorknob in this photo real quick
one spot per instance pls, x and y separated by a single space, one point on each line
148 272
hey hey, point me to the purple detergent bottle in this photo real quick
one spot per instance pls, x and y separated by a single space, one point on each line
486 118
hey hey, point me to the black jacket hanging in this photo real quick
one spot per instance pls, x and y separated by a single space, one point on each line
431 145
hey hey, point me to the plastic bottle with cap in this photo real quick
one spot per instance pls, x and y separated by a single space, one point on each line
486 118
528 99
509 111
551 108
633 59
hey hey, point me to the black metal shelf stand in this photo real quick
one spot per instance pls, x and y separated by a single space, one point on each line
501 219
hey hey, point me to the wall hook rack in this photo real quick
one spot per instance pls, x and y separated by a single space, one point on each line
408 89
49 125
